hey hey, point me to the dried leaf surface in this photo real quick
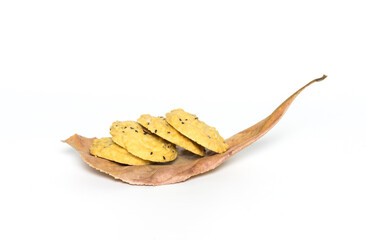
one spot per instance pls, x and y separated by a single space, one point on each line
187 164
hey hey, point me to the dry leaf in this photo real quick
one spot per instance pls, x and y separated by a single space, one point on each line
187 164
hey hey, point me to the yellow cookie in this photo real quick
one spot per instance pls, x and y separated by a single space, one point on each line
141 143
189 125
106 148
160 127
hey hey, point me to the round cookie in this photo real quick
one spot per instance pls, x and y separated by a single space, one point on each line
106 148
141 143
189 125
160 127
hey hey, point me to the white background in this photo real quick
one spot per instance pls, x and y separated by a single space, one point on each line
76 66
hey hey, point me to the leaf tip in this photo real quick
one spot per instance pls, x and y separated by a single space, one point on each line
321 78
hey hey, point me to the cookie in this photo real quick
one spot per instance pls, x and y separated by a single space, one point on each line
142 143
160 127
106 148
198 131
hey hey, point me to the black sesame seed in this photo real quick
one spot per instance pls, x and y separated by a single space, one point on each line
148 123
186 119
131 127
182 122
180 119
151 153
168 132
163 157
136 131
156 131
125 127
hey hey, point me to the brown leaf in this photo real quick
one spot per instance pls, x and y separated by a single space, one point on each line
187 164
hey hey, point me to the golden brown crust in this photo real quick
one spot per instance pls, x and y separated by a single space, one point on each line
189 125
141 143
160 127
106 148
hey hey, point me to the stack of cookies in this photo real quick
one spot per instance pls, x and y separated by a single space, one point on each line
154 139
